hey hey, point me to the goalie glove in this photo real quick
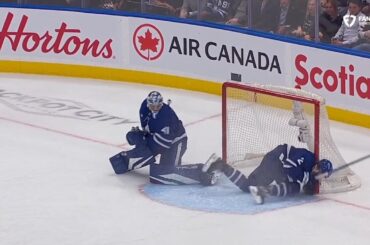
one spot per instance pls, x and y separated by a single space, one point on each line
135 129
136 136
145 131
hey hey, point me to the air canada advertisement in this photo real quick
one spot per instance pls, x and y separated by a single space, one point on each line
202 52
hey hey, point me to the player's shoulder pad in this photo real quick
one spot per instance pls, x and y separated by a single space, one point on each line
167 109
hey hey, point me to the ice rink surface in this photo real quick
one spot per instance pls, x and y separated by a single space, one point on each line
58 188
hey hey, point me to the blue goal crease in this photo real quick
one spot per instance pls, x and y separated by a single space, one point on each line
221 198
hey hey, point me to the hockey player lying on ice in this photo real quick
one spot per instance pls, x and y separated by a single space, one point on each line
284 171
161 133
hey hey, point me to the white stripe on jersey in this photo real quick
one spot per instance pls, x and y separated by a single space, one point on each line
162 138
291 162
179 138
155 138
238 178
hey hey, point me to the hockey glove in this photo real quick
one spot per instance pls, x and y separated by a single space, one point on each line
309 188
136 137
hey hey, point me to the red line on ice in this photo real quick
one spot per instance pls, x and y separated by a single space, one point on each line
62 132
121 146
348 203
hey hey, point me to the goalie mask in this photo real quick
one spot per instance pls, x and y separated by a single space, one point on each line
154 101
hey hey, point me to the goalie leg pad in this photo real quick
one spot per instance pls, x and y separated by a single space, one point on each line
119 163
133 159
176 175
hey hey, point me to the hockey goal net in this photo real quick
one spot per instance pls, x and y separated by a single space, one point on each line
257 118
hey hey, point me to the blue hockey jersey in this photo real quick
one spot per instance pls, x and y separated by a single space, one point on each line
164 127
297 163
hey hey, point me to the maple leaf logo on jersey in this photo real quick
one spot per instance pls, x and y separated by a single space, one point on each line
166 130
148 42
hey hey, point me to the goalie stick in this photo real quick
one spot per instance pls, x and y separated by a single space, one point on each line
320 176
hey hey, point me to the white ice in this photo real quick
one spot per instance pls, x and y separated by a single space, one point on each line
58 188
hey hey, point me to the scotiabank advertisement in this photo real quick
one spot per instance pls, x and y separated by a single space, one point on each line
181 49
62 37
343 80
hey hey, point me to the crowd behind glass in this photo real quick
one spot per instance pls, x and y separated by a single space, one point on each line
314 20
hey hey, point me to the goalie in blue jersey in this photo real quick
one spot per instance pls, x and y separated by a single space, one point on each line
161 134
284 171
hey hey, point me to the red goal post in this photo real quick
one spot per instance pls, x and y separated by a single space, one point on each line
256 118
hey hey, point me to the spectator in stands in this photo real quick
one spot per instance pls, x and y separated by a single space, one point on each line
74 3
290 15
119 4
342 7
329 22
267 16
103 4
366 7
53 2
348 35
364 35
164 7
322 3
308 25
365 45
259 8
219 10
191 8
126 5
240 16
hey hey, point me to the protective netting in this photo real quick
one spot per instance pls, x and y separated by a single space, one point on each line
256 120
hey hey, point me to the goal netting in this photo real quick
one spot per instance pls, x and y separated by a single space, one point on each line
257 118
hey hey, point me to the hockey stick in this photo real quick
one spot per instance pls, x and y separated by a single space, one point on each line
320 176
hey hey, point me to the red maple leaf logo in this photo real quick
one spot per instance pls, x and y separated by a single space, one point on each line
148 43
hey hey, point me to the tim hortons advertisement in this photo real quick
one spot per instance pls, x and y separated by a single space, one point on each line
62 37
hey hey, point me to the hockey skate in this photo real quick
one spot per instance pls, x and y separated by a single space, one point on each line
213 164
211 170
208 179
258 194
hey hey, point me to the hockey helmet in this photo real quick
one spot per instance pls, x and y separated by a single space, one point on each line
154 101
325 166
